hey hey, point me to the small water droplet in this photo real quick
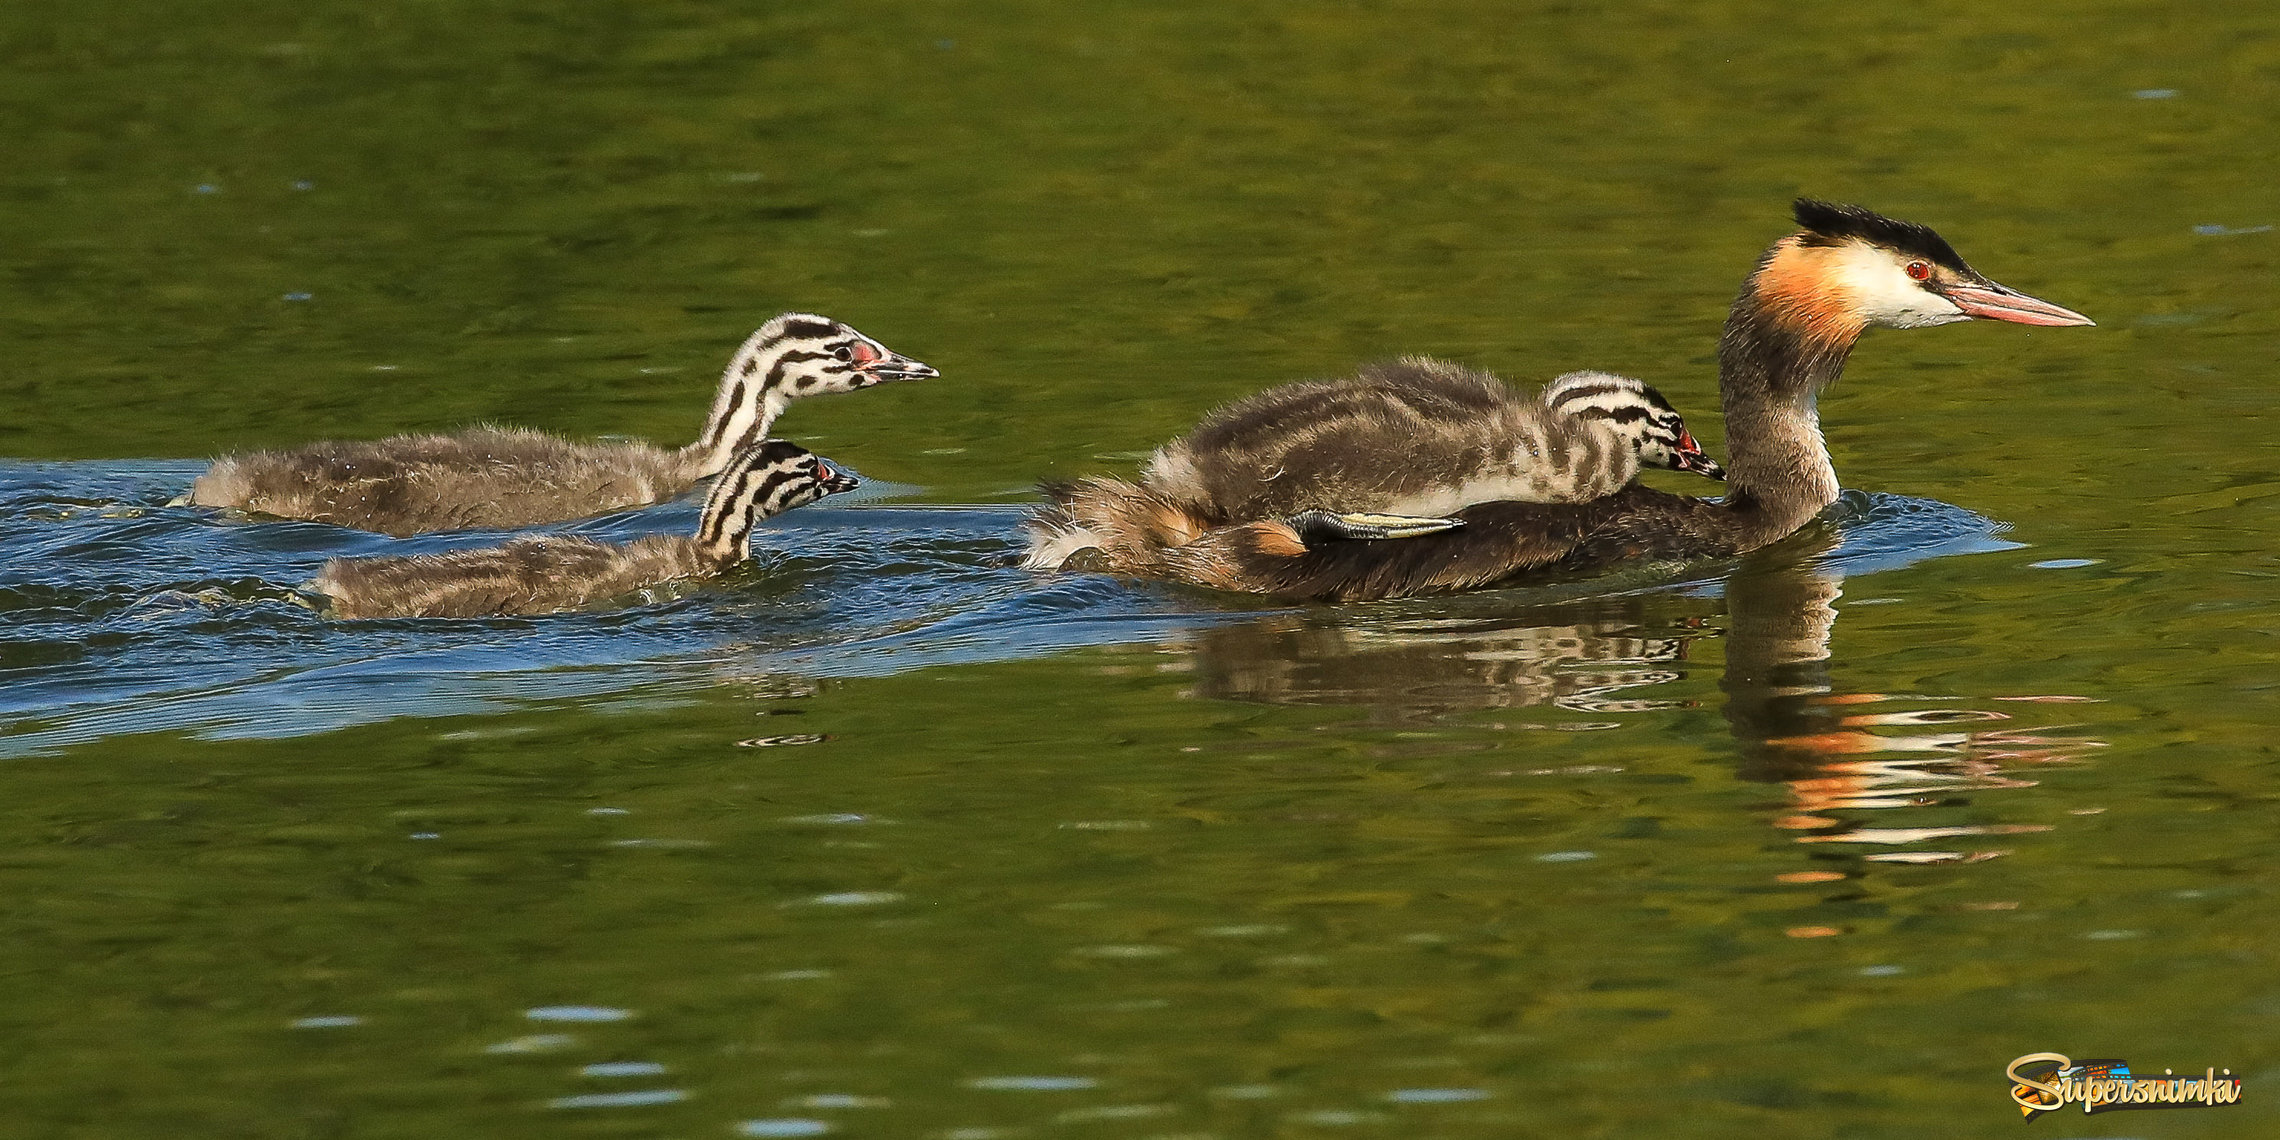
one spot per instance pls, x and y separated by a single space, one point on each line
2155 93
300 296
1566 856
342 1021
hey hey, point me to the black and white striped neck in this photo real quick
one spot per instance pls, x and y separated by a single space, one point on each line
763 481
793 355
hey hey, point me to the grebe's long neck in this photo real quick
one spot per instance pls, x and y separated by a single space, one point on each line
751 397
1784 342
739 500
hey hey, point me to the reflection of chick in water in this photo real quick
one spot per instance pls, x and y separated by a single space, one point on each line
1570 656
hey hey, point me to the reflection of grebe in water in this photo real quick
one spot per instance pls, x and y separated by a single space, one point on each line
1794 728
1837 753
1583 656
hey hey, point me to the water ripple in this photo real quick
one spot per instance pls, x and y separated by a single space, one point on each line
635 1099
126 615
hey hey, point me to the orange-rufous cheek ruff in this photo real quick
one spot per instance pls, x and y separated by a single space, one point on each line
1801 286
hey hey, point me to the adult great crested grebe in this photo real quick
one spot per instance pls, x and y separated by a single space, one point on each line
548 573
1787 336
509 477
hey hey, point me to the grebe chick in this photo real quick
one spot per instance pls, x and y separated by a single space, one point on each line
1418 436
1787 336
549 573
1388 453
510 477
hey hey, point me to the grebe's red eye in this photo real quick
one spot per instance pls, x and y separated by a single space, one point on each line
1920 270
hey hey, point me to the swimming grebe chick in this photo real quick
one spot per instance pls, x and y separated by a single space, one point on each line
1787 337
545 574
510 477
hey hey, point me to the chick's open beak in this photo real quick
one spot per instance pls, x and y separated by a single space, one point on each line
1689 456
896 366
837 480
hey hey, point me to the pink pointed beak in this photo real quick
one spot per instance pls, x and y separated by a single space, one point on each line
1991 302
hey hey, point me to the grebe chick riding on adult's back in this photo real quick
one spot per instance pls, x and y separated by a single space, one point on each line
1383 454
1787 336
1421 436
508 477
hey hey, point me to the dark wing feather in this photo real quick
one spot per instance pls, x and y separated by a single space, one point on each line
1499 541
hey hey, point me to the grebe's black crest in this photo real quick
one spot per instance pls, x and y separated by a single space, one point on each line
1831 223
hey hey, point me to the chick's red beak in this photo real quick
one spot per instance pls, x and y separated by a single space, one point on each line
1689 456
835 480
